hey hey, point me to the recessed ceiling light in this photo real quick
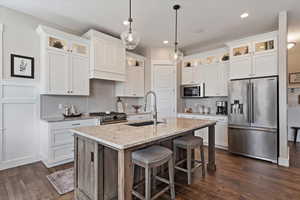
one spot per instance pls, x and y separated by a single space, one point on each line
291 45
165 41
244 15
126 23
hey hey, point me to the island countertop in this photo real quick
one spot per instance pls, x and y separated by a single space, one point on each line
122 136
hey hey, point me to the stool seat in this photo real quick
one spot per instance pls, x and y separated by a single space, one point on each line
151 154
189 141
150 158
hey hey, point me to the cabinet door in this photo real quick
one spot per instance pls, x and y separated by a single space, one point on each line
79 75
222 134
187 75
199 74
222 80
57 44
80 49
86 170
58 72
211 80
139 82
265 64
240 68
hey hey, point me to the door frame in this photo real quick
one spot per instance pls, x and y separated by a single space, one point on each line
155 63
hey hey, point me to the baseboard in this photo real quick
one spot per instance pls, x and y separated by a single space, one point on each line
17 163
284 162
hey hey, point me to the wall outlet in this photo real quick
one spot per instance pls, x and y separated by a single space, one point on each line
60 106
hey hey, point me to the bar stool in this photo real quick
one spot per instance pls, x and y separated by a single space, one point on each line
151 158
189 143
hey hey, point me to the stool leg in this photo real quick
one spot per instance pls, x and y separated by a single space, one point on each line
148 183
189 164
171 178
295 136
154 178
202 160
174 154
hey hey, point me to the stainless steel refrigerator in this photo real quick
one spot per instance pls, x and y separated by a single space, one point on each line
253 118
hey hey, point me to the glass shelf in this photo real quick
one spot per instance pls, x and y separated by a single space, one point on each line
264 46
57 43
240 51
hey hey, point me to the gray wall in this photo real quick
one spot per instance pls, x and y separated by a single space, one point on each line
101 99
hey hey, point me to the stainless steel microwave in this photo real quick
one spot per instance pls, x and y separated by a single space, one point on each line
195 91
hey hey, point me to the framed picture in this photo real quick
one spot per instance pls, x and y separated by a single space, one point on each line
22 66
294 78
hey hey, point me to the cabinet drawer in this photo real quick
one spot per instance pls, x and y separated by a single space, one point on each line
73 124
62 153
61 137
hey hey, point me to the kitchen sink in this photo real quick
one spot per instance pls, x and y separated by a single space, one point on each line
146 123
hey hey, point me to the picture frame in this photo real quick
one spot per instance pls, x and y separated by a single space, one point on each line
22 66
294 78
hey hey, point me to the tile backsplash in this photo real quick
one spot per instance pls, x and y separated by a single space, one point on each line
102 98
209 102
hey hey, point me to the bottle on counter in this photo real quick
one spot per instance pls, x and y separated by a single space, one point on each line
120 105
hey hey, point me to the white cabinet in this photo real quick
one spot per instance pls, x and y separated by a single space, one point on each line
208 68
255 56
64 63
135 78
57 141
221 129
107 57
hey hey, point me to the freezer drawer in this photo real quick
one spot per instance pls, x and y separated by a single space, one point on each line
256 143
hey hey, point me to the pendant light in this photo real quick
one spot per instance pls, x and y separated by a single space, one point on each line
129 37
176 56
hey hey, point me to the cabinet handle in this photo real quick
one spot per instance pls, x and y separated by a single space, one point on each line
92 157
78 124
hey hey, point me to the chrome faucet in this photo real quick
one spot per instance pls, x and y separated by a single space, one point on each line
154 112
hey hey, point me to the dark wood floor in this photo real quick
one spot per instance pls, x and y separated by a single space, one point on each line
236 178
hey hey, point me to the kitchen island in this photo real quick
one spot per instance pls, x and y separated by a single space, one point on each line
103 166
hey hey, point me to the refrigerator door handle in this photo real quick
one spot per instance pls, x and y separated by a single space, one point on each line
252 103
249 102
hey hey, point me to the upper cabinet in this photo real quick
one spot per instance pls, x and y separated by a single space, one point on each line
210 68
135 78
64 63
107 57
255 56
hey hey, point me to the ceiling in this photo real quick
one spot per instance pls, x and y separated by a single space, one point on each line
201 23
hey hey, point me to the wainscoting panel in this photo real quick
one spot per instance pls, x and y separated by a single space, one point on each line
19 124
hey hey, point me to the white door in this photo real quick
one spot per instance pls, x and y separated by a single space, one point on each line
165 88
79 79
58 72
265 64
211 80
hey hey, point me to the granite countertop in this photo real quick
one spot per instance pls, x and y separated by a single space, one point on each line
62 118
121 136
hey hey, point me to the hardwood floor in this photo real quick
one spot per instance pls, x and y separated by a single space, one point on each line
236 178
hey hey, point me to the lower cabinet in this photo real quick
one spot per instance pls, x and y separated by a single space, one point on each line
96 171
87 164
221 129
57 141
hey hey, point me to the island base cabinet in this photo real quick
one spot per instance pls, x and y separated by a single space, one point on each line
88 177
96 171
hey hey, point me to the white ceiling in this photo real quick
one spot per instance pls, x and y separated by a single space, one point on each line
201 23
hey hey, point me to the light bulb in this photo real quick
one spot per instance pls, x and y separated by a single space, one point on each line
130 38
176 56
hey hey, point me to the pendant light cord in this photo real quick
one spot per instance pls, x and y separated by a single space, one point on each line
130 17
176 7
